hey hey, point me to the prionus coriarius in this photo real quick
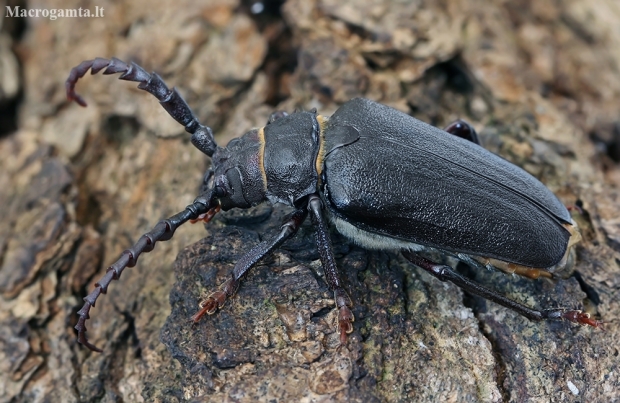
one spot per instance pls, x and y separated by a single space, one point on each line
384 179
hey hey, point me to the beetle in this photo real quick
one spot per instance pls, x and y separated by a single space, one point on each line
384 179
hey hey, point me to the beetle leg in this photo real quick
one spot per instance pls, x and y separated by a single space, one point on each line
326 253
464 130
523 271
229 287
446 273
508 268
163 231
170 100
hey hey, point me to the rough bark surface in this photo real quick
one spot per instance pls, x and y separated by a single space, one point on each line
77 186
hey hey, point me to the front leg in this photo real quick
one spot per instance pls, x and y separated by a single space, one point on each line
229 287
326 253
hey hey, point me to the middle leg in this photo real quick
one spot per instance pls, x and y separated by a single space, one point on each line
324 246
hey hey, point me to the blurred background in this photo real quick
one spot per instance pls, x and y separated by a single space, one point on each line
540 81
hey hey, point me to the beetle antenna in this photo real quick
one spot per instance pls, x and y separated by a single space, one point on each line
170 100
163 231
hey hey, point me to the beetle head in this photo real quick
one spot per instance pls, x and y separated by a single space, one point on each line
236 174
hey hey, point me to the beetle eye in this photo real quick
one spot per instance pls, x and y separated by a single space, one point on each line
220 192
221 186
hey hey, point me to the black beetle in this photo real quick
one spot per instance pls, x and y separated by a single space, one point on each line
386 181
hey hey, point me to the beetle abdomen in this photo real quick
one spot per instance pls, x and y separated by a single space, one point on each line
406 179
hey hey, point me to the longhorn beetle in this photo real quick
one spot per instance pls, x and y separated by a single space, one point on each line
384 179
